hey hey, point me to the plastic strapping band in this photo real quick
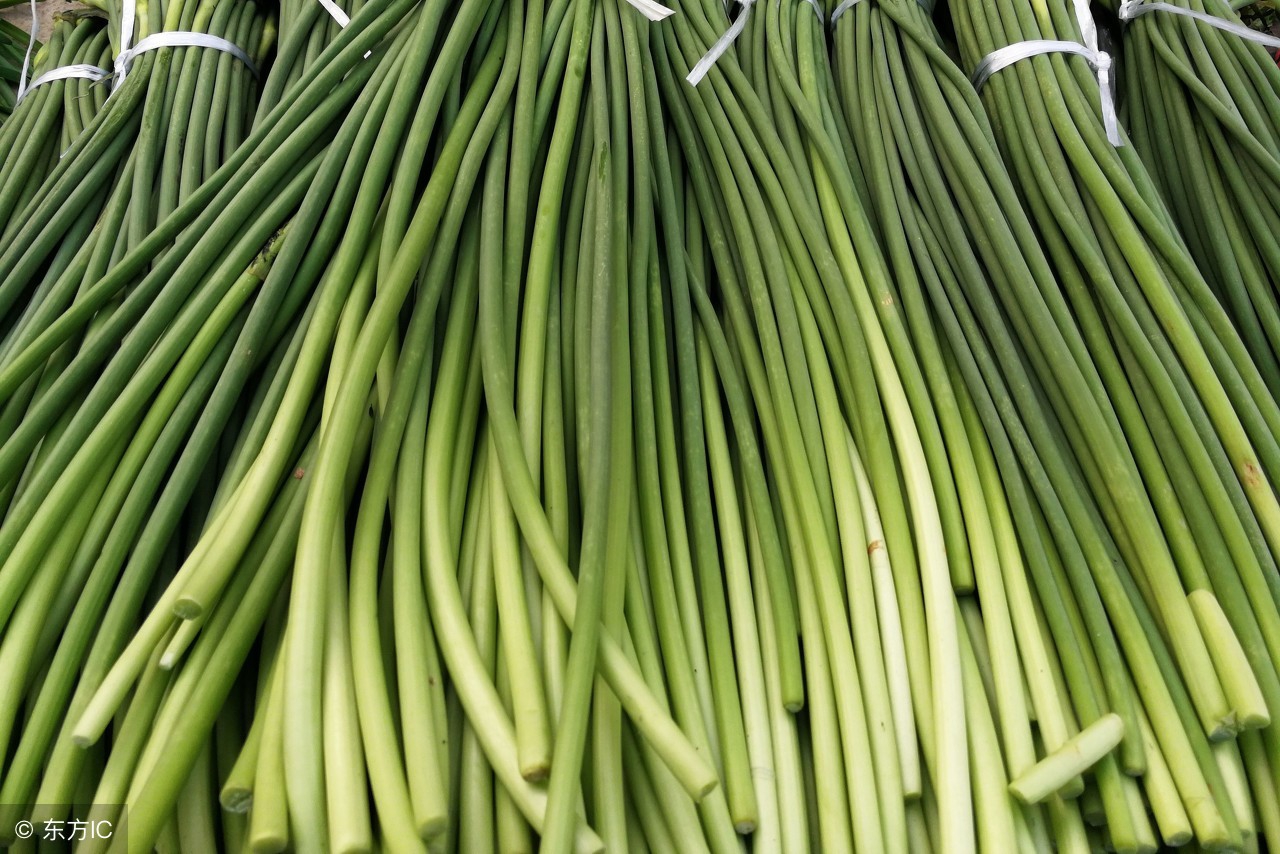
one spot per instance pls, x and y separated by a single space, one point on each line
652 9
335 12
178 38
1099 60
722 44
817 9
842 8
1130 9
128 16
998 60
66 72
31 50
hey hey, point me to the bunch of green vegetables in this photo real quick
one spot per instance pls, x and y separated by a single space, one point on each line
1179 466
814 355
69 212
177 570
498 427
53 114
13 48
1203 109
1052 378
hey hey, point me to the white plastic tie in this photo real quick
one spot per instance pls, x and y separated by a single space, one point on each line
79 71
1087 48
817 9
722 44
30 55
178 38
128 18
1002 58
1130 9
841 9
335 11
652 9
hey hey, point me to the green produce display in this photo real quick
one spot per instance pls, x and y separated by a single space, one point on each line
1201 106
586 425
831 372
1017 319
53 112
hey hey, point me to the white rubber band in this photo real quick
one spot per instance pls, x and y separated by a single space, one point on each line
79 71
1087 47
1130 9
722 44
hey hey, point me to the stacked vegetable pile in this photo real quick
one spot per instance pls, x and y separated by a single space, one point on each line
932 142
816 391
1202 110
507 424
82 186
53 112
